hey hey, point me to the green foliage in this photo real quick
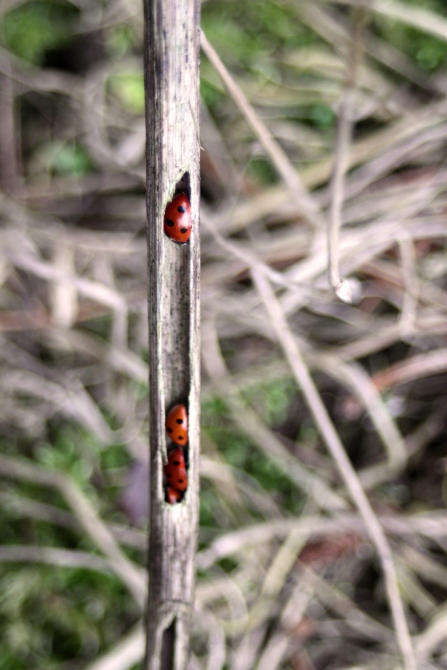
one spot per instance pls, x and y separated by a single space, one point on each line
208 502
243 32
72 451
78 454
435 6
119 41
99 326
32 28
51 615
58 614
211 95
429 52
247 36
271 401
322 116
114 456
129 90
71 160
262 171
66 159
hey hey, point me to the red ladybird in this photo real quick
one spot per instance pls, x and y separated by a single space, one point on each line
172 495
177 221
177 424
175 471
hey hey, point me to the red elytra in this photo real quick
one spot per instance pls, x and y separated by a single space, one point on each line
177 220
177 424
175 471
172 495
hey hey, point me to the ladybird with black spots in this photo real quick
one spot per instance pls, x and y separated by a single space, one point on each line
175 474
172 495
177 220
177 425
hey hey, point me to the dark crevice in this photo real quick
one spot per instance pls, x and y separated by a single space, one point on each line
184 186
167 647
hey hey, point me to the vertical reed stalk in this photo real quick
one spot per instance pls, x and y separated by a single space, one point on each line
172 125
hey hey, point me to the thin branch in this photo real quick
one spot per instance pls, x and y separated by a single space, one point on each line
430 526
412 368
44 512
421 19
52 556
255 428
306 205
353 375
341 159
128 652
335 447
411 293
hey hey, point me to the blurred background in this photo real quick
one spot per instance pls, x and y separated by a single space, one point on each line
282 581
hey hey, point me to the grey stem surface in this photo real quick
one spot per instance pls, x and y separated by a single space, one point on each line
172 125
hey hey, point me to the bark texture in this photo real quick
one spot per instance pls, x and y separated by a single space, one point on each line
172 123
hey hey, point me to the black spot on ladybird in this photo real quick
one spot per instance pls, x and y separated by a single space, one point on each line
169 430
181 209
169 223
179 420
183 230
180 437
180 481
176 462
168 476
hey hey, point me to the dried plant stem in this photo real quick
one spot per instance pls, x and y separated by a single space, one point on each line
335 447
341 162
413 367
342 141
432 527
255 428
421 19
9 133
125 654
52 556
172 126
353 375
33 509
305 203
411 293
